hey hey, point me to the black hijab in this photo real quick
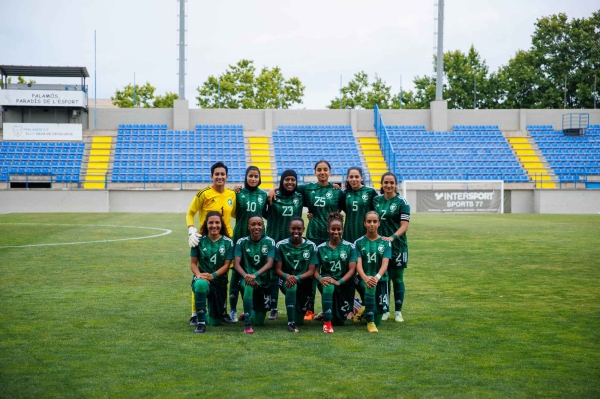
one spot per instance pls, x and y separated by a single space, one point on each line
282 189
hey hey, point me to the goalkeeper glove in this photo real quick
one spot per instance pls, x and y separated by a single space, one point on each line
193 236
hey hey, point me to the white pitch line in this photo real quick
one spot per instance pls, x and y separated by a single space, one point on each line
164 233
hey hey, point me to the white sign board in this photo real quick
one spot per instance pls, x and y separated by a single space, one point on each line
43 98
43 131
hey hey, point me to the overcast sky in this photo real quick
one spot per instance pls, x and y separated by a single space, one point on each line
316 41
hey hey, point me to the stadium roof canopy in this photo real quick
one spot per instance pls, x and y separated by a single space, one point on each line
45 71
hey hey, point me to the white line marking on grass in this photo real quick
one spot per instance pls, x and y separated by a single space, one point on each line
164 233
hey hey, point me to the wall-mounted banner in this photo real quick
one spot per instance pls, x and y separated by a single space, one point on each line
43 131
465 201
43 98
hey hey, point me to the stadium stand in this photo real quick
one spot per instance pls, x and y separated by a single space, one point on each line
299 147
61 161
573 158
465 153
151 153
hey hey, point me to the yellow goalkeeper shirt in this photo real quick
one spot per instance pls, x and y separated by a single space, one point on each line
208 200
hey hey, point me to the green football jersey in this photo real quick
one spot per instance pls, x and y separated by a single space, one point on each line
334 262
211 256
356 205
320 201
391 212
295 259
254 255
248 204
372 254
279 214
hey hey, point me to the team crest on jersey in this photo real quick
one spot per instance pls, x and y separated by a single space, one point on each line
343 255
365 197
393 207
222 250
264 249
229 202
305 254
296 201
260 200
329 195
381 249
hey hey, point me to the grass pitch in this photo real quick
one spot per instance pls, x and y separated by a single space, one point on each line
497 306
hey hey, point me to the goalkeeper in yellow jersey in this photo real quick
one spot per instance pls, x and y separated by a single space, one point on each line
214 198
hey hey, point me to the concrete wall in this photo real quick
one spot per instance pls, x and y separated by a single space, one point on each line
34 201
566 201
506 119
167 201
405 117
251 119
110 118
521 201
312 117
177 201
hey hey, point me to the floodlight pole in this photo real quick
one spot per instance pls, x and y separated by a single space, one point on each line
340 91
474 92
219 93
95 87
182 49
134 92
440 52
400 91
595 92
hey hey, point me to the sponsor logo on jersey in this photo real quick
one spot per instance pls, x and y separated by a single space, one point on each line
343 255
381 249
305 254
264 249
325 257
247 250
243 195
204 249
329 195
222 250
229 202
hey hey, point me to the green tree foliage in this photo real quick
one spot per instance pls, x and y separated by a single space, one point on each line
143 96
165 101
359 93
240 87
534 78
20 80
561 50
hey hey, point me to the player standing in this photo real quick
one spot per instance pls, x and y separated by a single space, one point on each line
321 199
210 262
337 261
286 204
357 202
394 212
250 201
295 260
373 257
214 198
253 261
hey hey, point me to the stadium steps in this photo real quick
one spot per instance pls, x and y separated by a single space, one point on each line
97 167
533 161
373 158
262 156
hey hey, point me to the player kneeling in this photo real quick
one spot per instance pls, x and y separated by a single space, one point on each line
373 257
253 261
337 261
295 260
210 263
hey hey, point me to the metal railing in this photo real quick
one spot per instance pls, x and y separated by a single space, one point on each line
389 155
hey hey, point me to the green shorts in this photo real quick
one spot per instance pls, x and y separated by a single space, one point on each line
216 300
400 259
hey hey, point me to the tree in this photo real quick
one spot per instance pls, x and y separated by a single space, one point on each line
20 80
239 87
360 94
142 95
165 101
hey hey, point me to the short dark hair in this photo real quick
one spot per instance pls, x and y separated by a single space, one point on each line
219 165
322 161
